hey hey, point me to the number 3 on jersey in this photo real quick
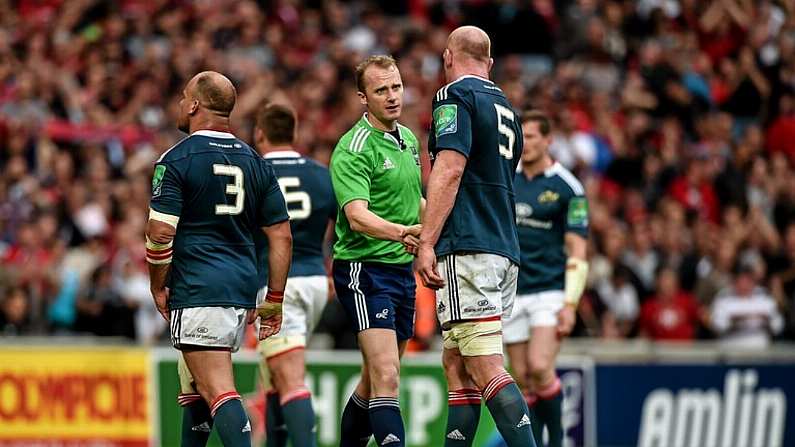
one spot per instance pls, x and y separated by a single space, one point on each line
304 208
233 189
503 129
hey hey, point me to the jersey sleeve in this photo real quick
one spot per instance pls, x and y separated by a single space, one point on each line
273 209
350 175
577 215
167 187
452 124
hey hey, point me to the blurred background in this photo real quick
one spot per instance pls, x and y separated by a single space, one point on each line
677 115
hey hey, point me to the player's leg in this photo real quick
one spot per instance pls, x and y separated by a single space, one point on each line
485 286
196 420
480 346
463 399
379 346
212 373
516 336
543 349
285 358
207 337
355 429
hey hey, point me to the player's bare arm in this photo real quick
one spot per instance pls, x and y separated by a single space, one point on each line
159 238
442 190
280 252
362 220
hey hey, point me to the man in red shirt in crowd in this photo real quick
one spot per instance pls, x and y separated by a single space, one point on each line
672 314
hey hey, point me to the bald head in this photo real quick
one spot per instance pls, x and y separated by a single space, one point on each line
471 41
214 91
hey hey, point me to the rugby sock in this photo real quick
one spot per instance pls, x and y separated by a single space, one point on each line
299 417
275 429
549 411
386 421
355 426
231 420
535 424
509 410
196 420
463 415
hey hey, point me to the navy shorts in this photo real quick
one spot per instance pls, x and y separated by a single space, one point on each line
377 295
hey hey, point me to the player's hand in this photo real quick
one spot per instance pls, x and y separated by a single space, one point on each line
270 314
425 265
411 243
161 301
566 319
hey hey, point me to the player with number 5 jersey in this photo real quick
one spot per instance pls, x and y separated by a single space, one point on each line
469 247
212 195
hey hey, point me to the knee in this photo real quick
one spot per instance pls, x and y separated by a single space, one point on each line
521 374
484 370
540 369
286 378
385 375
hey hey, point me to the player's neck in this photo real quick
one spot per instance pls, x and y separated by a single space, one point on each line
277 148
469 70
535 168
216 123
386 126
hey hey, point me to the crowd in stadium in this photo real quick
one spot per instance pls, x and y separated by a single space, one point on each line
677 116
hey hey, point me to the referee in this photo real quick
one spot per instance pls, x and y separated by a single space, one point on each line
375 173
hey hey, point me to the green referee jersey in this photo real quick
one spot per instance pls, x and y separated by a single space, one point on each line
372 165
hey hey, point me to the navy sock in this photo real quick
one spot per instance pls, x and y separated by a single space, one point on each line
300 418
535 423
275 429
196 420
509 411
355 426
386 421
463 415
231 420
549 411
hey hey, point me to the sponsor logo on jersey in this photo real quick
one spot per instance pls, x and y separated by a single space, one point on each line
524 209
548 197
578 212
388 164
157 180
445 119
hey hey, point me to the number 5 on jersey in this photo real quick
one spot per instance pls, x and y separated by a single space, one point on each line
304 208
502 128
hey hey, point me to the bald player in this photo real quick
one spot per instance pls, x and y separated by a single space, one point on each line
211 194
469 247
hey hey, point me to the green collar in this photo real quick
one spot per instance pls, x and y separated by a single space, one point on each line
384 134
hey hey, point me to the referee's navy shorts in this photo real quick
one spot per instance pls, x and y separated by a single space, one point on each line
377 295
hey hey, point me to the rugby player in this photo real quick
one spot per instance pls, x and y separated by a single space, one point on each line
306 186
475 144
211 193
375 172
552 219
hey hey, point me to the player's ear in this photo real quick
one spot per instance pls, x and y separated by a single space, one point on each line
447 57
362 98
194 107
491 64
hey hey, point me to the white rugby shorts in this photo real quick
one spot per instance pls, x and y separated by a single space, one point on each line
305 297
211 327
478 286
532 310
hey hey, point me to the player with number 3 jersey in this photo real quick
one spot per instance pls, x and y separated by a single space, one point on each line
211 195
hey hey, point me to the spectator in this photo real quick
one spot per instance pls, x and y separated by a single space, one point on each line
15 313
671 314
745 315
620 300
